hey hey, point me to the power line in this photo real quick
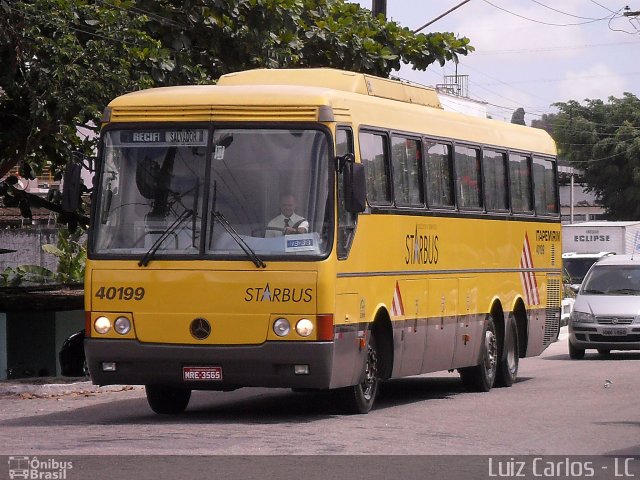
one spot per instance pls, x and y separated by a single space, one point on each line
545 23
440 16
606 8
563 13
553 49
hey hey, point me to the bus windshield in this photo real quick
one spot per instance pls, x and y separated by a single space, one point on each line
228 193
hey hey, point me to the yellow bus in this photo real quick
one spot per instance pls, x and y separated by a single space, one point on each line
316 229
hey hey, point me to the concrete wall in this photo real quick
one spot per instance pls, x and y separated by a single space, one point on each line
28 245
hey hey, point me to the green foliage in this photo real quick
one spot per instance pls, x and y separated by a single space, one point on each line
545 122
72 257
603 139
518 116
61 61
26 274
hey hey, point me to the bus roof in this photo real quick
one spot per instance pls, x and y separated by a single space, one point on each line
323 94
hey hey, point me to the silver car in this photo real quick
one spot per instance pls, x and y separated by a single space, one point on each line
606 312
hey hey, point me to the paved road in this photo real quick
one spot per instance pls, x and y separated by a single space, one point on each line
558 406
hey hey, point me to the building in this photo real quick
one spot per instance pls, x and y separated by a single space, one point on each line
576 204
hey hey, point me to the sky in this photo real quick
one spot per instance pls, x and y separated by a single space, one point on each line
532 53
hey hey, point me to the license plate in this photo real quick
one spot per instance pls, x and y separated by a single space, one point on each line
202 374
614 332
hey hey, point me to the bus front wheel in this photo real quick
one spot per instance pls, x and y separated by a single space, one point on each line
480 378
167 400
359 398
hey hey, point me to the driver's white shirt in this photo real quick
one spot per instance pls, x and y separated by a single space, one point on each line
279 224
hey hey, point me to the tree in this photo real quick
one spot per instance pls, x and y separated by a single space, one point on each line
518 116
546 122
603 140
61 61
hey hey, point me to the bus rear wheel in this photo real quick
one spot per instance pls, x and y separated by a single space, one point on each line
360 398
480 378
167 400
509 358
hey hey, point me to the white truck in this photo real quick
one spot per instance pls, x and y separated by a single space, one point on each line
592 237
585 243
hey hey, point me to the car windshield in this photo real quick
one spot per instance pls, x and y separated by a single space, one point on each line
612 280
233 193
576 268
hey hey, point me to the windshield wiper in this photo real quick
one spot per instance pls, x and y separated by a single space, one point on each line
625 291
592 291
238 239
144 261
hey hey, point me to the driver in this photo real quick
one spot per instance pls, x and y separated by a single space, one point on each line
288 222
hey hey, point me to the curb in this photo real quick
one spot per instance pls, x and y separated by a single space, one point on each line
27 390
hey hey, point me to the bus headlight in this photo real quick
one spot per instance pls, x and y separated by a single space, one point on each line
102 325
122 325
281 327
304 327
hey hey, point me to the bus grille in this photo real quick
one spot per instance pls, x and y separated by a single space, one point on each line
552 312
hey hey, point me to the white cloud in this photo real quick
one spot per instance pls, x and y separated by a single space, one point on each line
597 81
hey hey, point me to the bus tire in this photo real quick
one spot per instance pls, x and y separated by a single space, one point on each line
167 400
508 367
481 377
575 353
359 399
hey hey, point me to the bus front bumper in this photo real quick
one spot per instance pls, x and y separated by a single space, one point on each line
271 364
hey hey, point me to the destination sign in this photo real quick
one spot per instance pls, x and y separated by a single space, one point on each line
183 137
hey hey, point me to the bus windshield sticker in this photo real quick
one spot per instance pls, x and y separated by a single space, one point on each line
300 243
219 153
196 137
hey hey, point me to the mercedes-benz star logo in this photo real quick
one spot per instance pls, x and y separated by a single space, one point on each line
200 328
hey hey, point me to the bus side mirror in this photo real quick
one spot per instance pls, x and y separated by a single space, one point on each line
71 188
355 187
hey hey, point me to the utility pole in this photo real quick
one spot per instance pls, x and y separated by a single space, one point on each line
379 6
629 13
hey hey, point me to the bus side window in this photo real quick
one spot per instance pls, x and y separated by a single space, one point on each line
520 183
374 156
346 221
495 181
544 181
468 177
439 175
407 172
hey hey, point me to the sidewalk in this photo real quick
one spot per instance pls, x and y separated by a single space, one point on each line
55 386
